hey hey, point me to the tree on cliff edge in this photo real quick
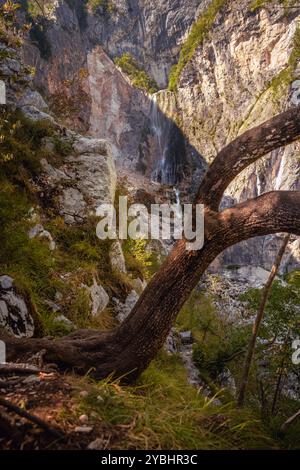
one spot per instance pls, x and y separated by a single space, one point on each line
129 349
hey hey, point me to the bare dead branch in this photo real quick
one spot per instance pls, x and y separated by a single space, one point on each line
34 419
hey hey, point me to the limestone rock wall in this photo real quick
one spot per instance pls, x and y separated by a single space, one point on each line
235 81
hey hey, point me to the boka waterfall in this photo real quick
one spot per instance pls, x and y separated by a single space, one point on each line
169 146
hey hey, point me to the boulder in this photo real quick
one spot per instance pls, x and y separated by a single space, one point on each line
172 344
39 231
124 309
99 298
35 114
85 179
186 337
139 285
84 145
116 257
15 314
64 321
34 98
72 205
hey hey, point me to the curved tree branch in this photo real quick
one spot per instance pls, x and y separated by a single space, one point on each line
131 347
281 130
273 212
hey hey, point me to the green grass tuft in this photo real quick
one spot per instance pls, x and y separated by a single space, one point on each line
163 412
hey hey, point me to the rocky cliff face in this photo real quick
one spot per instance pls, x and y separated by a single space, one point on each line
151 31
229 87
74 67
239 77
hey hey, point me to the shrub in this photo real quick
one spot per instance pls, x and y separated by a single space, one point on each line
106 6
20 145
140 261
138 77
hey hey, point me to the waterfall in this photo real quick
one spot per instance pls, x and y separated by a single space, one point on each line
177 196
169 146
258 184
279 177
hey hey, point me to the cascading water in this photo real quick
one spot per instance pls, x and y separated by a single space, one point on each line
280 174
177 196
169 146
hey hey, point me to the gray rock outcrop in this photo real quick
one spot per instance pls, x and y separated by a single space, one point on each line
39 231
15 315
85 179
99 299
116 257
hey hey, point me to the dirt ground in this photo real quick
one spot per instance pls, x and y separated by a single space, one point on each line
50 397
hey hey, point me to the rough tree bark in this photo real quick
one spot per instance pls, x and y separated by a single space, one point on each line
259 317
129 349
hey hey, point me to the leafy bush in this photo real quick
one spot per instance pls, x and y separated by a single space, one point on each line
20 145
10 31
36 13
140 261
107 6
282 309
62 147
138 77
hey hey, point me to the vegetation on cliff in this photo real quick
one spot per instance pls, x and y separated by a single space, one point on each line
138 77
106 6
197 35
161 410
256 4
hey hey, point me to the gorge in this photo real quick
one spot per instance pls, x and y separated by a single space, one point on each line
152 100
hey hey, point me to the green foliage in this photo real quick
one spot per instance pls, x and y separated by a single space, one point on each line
138 77
213 356
280 83
37 8
37 270
80 308
281 312
217 342
81 252
10 31
257 4
106 6
140 260
36 17
20 142
29 262
196 37
198 315
274 349
290 438
293 279
62 147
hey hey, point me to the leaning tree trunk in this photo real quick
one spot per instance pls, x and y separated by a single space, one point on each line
129 349
280 374
259 317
